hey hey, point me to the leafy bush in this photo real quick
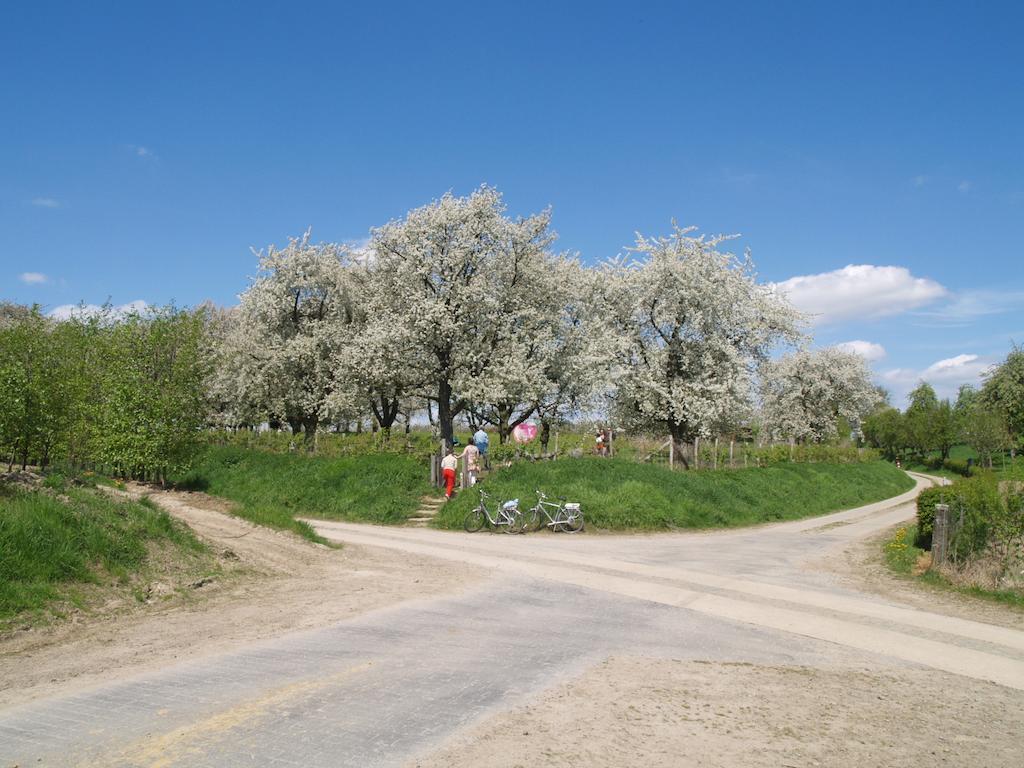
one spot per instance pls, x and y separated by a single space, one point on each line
960 466
926 502
975 505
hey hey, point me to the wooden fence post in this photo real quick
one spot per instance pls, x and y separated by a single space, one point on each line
940 535
671 452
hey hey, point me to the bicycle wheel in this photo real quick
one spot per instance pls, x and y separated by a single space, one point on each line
573 524
474 520
518 523
532 520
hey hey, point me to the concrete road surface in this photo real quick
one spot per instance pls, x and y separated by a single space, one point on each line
381 689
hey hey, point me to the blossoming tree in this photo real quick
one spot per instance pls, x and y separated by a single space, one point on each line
806 393
691 324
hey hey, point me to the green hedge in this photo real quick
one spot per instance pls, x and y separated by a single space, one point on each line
976 501
926 502
958 466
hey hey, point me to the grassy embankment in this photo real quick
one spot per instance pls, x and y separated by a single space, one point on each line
55 552
272 488
623 495
906 559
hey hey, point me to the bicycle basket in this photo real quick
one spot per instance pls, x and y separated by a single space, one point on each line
572 508
510 504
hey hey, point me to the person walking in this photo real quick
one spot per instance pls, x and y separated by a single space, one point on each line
471 455
449 465
482 442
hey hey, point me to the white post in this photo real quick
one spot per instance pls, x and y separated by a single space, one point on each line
732 464
716 453
671 452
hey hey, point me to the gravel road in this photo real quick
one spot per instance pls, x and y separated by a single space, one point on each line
721 648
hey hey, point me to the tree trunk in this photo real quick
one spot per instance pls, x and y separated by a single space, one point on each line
445 417
545 435
309 424
385 411
295 423
679 442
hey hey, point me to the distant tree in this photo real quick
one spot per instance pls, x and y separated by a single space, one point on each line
806 394
885 429
921 419
1003 391
292 327
984 429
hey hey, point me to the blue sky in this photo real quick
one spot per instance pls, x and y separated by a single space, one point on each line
146 147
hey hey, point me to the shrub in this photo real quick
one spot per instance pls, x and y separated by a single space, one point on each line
960 466
975 503
926 502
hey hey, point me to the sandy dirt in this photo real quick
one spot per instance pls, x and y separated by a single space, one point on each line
272 583
862 566
667 714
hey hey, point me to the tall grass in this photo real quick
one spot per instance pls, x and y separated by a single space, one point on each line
622 495
48 544
273 488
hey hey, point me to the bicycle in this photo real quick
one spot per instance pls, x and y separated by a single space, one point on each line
507 518
566 517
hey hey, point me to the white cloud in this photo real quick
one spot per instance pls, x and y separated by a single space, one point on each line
33 278
861 291
140 151
66 311
945 376
963 308
45 202
870 351
965 186
958 369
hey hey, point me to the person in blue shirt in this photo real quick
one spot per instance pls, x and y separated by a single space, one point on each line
482 441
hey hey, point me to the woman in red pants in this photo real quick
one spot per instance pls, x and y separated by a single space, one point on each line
449 464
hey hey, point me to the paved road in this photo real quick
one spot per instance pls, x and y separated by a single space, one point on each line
382 688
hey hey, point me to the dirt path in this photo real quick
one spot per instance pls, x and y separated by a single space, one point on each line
672 713
273 583
725 648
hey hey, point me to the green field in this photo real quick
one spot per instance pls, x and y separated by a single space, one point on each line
623 495
50 546
273 488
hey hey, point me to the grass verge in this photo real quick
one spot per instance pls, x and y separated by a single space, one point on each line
618 494
51 546
905 559
272 488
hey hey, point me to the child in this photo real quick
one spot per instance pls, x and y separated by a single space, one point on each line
448 466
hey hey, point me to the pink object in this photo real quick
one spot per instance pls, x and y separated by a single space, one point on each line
525 432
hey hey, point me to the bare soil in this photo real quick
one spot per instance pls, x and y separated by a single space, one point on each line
862 566
667 714
268 583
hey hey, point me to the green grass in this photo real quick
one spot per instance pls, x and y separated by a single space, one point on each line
48 545
901 556
273 488
618 494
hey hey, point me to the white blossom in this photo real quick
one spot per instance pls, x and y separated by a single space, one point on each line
804 394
